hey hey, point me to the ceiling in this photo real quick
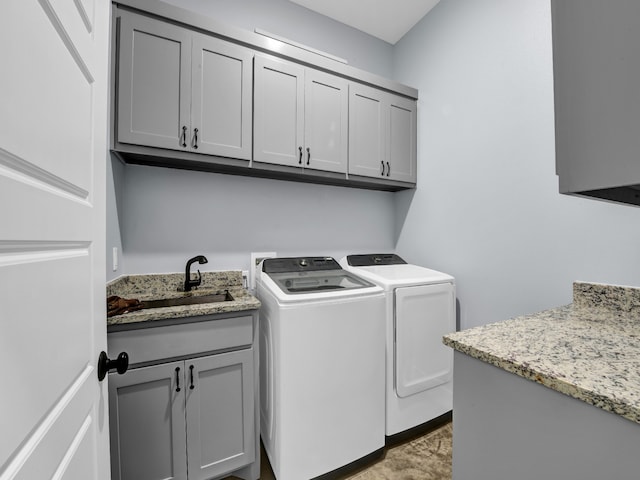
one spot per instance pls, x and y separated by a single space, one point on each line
388 20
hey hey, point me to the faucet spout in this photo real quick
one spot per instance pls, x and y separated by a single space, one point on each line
188 282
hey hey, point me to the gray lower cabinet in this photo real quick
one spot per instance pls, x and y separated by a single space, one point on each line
148 424
300 116
220 414
510 428
191 419
181 90
187 407
382 134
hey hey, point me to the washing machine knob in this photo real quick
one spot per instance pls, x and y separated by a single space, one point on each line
303 262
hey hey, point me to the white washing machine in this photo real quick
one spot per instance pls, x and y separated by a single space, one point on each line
322 341
420 309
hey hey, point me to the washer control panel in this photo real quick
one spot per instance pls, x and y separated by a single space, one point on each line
299 264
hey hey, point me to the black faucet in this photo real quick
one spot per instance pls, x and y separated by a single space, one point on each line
188 283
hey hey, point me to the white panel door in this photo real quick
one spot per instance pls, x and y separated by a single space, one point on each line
221 108
423 315
326 128
367 131
53 147
402 139
220 413
278 112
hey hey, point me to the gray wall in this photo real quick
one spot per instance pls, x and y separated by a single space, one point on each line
114 187
171 215
487 209
299 24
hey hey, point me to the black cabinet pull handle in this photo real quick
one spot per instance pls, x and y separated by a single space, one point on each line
184 136
388 169
177 379
300 157
195 138
382 163
191 387
308 155
105 364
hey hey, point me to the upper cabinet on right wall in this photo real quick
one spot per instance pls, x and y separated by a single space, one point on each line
596 62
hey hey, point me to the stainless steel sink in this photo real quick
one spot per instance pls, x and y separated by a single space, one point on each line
191 300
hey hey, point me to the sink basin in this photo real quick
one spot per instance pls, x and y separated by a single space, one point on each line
195 300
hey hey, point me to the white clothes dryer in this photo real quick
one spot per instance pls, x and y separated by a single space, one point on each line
322 342
420 309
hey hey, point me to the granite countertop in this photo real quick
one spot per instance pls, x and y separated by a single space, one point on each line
170 285
589 350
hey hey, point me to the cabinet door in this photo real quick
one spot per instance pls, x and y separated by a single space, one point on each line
367 131
326 114
220 414
153 83
278 112
147 423
221 109
402 139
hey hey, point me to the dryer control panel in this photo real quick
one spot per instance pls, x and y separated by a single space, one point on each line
374 259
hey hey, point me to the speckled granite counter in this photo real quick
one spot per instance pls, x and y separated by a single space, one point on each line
170 285
589 350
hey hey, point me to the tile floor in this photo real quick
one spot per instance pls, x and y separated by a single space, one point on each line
421 456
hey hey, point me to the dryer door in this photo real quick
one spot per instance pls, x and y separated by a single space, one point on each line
423 314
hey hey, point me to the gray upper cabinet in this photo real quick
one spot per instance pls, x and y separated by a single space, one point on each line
154 88
382 134
326 122
193 93
367 127
402 152
278 112
221 107
596 64
300 116
182 90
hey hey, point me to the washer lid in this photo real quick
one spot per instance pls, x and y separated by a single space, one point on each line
311 275
312 282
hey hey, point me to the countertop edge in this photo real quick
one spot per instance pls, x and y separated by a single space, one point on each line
476 343
170 313
541 378
161 286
